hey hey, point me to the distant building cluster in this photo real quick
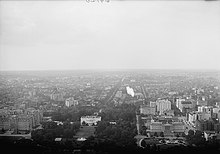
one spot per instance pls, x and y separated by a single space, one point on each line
166 125
20 120
158 118
206 118
159 107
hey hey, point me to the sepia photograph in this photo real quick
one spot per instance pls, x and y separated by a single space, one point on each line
109 76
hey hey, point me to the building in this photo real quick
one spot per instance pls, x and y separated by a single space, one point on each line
168 129
90 120
147 110
178 101
37 116
207 109
56 95
162 105
205 125
4 122
203 116
192 117
71 102
185 105
168 112
24 123
21 121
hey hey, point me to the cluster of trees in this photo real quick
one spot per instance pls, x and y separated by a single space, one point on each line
118 135
122 134
196 137
72 113
125 112
52 130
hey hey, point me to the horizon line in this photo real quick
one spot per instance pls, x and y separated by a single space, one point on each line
114 69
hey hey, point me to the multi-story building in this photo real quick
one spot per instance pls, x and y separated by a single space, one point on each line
56 95
207 109
178 101
192 117
4 122
36 115
185 105
162 105
21 121
71 102
169 129
208 125
24 123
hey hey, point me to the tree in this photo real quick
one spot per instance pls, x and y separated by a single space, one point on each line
190 134
143 130
161 134
198 138
83 123
143 143
155 134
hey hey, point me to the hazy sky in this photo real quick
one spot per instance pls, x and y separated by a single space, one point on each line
42 35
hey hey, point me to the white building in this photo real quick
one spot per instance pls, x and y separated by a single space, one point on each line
192 117
207 109
90 120
162 105
178 102
70 101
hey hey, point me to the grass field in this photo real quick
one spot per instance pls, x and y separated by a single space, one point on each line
85 132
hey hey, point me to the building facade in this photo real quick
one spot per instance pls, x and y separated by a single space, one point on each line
90 120
162 105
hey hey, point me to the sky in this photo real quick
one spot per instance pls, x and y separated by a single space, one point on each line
57 35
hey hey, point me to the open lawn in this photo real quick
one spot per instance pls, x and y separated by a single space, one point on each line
85 132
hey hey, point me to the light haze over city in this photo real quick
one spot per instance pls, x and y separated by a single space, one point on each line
57 35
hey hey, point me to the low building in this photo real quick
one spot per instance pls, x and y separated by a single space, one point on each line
169 129
147 110
168 112
203 116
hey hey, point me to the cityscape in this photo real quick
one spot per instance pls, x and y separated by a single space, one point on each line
103 111
109 76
